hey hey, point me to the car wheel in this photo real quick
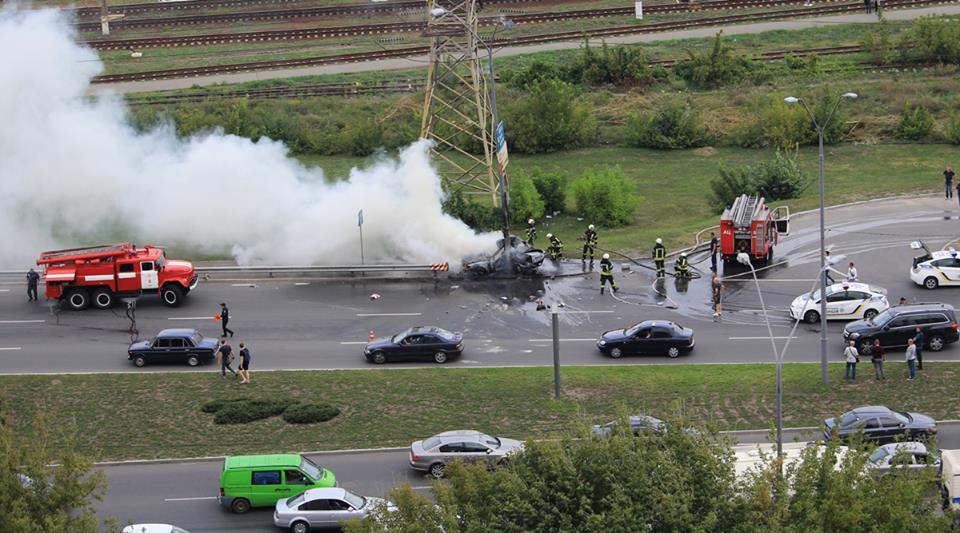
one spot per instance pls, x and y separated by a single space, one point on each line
440 358
616 353
673 352
936 343
103 298
436 470
812 317
379 358
172 295
240 506
931 283
300 527
869 313
866 346
139 361
193 360
78 299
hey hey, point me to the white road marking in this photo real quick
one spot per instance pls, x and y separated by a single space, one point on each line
251 285
586 312
469 362
756 338
563 340
389 314
22 321
10 349
189 499
301 283
353 342
191 318
745 280
4 290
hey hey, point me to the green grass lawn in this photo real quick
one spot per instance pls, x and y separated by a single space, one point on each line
126 416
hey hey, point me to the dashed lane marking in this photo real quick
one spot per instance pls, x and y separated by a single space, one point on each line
756 338
389 314
353 342
563 340
10 348
190 318
22 321
587 312
745 280
189 499
4 290
301 284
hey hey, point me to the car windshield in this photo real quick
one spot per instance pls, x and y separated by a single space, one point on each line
446 335
178 530
356 501
489 441
883 317
311 469
197 338
161 262
295 501
878 455
399 336
904 418
848 419
431 443
632 330
677 330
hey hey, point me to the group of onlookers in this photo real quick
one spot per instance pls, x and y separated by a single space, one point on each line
913 357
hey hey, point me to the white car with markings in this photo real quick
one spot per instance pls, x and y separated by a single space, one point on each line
934 269
845 301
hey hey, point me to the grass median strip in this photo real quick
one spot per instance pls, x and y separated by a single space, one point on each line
158 415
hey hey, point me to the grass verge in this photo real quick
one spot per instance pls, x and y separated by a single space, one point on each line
127 416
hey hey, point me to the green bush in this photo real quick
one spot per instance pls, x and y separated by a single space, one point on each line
534 73
606 196
525 201
552 187
310 413
478 216
878 42
674 125
718 67
916 122
777 124
952 132
244 411
625 66
934 39
551 117
778 179
214 405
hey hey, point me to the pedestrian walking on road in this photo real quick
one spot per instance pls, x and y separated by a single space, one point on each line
244 367
714 250
224 318
851 272
717 288
851 356
918 339
948 182
911 359
225 355
827 267
876 357
33 279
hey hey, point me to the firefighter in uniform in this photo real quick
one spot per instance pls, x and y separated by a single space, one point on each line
590 242
531 231
659 256
556 247
606 273
681 268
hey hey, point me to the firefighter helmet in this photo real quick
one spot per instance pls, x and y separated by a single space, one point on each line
530 221
606 256
659 240
549 235
684 254
590 226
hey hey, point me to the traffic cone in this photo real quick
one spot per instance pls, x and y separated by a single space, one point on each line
371 336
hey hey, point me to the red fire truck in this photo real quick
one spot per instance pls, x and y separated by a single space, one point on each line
750 226
99 275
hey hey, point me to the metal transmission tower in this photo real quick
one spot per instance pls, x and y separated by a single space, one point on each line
457 112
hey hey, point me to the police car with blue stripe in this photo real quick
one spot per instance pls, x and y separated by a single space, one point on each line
934 269
845 301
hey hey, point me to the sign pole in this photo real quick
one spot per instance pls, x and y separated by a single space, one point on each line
360 226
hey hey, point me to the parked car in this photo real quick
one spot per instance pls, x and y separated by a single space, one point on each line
880 424
909 455
933 269
898 324
260 480
652 337
416 344
153 528
324 508
845 301
526 259
638 424
173 346
431 455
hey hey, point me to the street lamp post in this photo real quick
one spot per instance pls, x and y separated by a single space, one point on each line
744 259
824 374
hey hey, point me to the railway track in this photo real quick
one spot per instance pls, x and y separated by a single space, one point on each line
518 41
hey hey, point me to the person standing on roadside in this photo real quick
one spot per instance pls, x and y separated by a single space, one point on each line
876 357
717 287
714 250
225 355
851 356
244 367
918 339
33 279
868 6
911 359
224 318
852 272
948 182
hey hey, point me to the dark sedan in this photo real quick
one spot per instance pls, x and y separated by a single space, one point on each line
176 346
652 337
880 424
416 344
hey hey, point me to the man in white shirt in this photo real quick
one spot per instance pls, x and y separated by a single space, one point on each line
852 272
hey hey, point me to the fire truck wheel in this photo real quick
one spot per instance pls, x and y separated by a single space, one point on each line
172 295
812 317
78 299
103 298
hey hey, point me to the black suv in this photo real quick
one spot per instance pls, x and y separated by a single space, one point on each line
895 325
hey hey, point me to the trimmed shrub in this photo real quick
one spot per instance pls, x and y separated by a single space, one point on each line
607 196
552 187
214 405
916 122
550 118
310 413
778 179
674 125
525 201
243 411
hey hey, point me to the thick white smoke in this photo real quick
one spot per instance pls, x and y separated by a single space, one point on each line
73 172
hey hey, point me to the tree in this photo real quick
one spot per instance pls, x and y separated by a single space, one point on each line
551 117
46 484
525 201
606 196
552 186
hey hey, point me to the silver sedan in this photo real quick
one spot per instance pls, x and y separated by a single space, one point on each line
431 455
324 508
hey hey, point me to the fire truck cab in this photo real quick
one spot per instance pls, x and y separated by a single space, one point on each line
750 226
98 275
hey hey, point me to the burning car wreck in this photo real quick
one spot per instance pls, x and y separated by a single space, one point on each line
526 259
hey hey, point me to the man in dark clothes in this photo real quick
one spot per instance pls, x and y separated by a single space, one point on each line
224 318
918 342
32 280
948 182
225 354
714 250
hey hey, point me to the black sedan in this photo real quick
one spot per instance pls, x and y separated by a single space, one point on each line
416 344
880 424
173 346
652 337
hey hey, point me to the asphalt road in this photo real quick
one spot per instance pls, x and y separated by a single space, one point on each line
184 494
296 324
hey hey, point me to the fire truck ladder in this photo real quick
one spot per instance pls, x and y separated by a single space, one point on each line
108 249
745 208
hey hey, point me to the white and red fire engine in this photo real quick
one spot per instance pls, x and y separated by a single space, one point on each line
99 275
750 226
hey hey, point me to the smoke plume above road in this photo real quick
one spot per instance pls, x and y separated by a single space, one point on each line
74 172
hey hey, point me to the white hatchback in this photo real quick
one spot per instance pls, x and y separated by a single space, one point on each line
845 301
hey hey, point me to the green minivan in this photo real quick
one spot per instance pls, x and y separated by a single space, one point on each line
260 480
